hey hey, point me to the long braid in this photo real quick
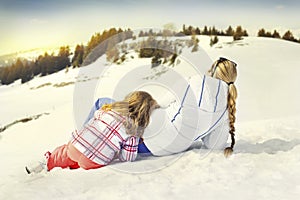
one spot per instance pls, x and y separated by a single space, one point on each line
232 95
226 70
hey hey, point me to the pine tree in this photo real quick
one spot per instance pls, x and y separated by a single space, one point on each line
64 51
229 31
238 33
195 42
197 31
205 31
36 69
77 59
214 31
276 34
141 34
214 40
209 31
261 33
18 66
4 76
288 36
10 76
27 72
190 30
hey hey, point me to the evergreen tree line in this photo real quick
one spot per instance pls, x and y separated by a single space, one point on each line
190 30
288 35
47 64
43 65
237 33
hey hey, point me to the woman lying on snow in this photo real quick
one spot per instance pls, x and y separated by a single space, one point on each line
114 130
211 119
206 111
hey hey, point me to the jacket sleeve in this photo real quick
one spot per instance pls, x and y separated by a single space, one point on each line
129 149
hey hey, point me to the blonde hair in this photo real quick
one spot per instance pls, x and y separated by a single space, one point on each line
137 108
226 71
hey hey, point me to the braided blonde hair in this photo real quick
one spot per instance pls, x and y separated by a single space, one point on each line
137 107
226 71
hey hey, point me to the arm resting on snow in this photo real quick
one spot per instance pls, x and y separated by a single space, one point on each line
129 149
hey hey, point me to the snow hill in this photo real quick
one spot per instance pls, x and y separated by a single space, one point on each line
41 114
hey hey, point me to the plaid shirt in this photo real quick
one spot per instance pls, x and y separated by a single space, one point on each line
104 138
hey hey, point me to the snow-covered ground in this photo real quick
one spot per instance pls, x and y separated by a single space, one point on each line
265 164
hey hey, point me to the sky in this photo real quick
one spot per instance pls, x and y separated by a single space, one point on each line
29 24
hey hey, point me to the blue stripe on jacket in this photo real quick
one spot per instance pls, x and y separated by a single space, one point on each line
217 96
201 91
181 105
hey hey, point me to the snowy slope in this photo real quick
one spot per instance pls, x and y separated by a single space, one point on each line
266 160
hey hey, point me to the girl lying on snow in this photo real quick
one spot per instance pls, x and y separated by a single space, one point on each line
114 131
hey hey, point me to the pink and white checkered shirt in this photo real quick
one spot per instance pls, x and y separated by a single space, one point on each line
104 138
